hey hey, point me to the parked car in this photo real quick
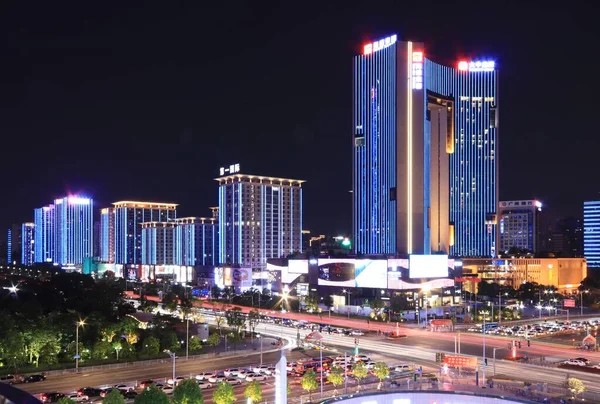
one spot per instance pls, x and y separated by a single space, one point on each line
146 383
35 378
52 397
231 372
167 389
89 391
233 381
205 375
575 362
255 377
77 397
204 385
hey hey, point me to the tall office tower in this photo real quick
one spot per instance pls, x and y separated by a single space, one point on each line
424 153
129 216
74 230
259 218
27 243
158 243
107 235
567 237
591 233
44 220
9 246
519 225
197 241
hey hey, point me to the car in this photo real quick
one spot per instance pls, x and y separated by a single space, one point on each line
52 397
146 383
361 358
233 381
357 333
9 379
89 391
217 378
129 395
204 385
243 373
260 369
178 380
290 366
35 378
401 368
205 375
270 371
575 362
77 397
255 377
231 372
586 360
123 387
167 389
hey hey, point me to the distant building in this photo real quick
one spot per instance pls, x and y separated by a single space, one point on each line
591 233
567 238
323 245
519 221
45 226
9 246
158 243
197 241
28 244
107 235
96 248
260 217
305 240
14 244
74 230
129 216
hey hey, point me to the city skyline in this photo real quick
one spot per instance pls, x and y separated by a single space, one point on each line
112 91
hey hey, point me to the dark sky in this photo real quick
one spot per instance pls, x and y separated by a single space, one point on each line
147 102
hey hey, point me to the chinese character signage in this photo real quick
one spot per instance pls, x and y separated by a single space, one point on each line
232 169
461 361
417 70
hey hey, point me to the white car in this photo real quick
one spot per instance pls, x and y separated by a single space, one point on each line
178 380
357 333
77 398
204 385
255 377
233 381
260 369
123 387
231 372
575 362
217 379
243 373
204 376
290 366
270 371
401 368
168 389
361 357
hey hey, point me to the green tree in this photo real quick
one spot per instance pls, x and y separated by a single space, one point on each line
195 344
336 377
65 400
101 350
39 339
49 353
148 306
382 371
224 394
186 306
188 392
110 331
118 347
170 301
312 301
253 318
360 372
214 339
215 292
235 319
114 397
309 382
253 391
170 341
152 395
151 345
575 386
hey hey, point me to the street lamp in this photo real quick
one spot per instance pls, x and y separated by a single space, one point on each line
78 324
172 355
425 290
347 292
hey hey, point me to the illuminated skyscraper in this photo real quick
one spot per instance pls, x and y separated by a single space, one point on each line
74 230
591 233
129 216
197 241
107 235
519 225
259 218
44 220
27 244
424 159
158 243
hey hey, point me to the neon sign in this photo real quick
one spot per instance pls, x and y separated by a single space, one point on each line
477 66
379 45
417 70
232 169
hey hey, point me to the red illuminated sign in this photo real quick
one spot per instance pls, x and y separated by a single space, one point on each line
463 65
417 57
569 303
461 361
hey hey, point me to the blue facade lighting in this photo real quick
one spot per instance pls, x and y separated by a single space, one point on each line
591 233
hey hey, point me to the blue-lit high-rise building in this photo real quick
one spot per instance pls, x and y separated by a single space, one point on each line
107 235
28 243
128 219
197 241
158 243
44 220
260 217
591 233
425 175
74 230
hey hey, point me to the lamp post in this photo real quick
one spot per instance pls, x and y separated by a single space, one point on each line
80 323
347 292
321 353
483 355
172 355
187 337
426 291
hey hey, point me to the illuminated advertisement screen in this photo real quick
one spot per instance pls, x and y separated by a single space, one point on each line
428 266
396 267
336 272
302 289
371 274
298 266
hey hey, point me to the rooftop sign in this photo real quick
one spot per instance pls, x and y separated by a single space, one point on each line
379 45
477 66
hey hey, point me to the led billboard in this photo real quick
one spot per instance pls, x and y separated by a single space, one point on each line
428 266
371 273
298 266
336 272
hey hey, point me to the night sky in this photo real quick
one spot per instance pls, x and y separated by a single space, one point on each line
147 102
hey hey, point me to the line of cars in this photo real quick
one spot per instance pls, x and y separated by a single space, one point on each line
582 362
545 328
